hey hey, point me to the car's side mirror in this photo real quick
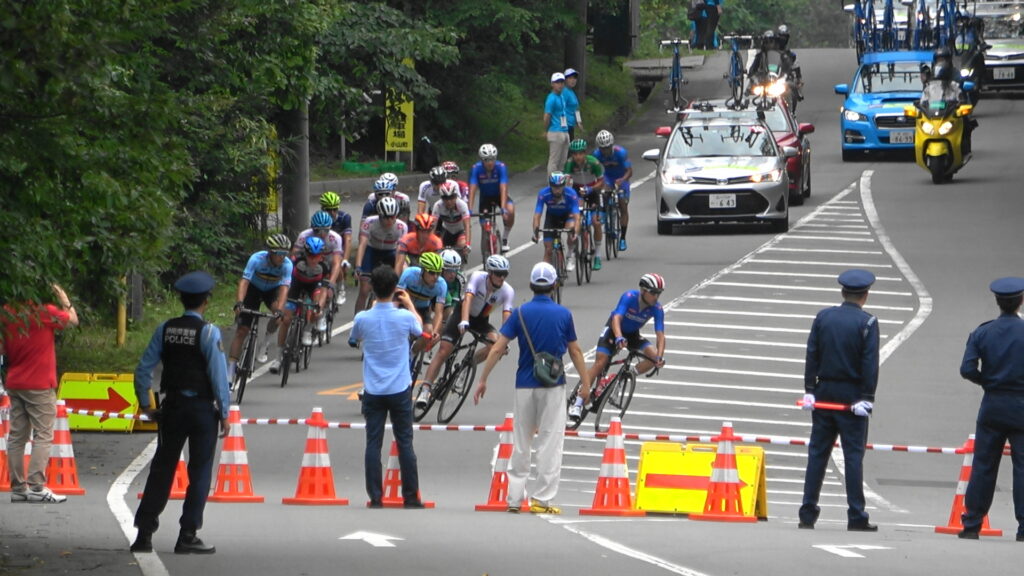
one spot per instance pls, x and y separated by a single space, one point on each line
805 128
654 155
842 89
789 152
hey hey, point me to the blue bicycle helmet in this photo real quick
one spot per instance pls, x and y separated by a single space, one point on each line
314 245
321 220
558 179
383 185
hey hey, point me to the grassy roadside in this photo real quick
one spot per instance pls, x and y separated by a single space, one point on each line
91 347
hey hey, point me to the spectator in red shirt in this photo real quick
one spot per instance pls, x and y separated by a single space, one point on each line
27 334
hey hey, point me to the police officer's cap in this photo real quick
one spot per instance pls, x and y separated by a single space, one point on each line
856 280
198 282
1007 287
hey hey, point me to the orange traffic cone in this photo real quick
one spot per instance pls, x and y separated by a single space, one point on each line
234 482
393 483
5 472
316 480
180 484
612 497
62 472
956 525
497 500
724 503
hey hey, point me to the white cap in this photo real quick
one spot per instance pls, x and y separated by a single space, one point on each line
543 274
558 77
571 72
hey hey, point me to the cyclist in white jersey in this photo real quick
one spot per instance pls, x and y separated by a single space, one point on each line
378 240
485 290
430 190
453 214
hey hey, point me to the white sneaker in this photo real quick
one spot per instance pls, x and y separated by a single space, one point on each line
321 324
423 397
264 354
570 264
339 297
504 246
275 366
44 496
307 338
575 412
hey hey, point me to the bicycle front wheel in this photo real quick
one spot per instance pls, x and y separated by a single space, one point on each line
611 232
615 400
588 253
458 389
291 351
581 261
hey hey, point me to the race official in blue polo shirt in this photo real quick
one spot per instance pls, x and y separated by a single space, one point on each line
384 331
841 367
994 360
544 326
194 383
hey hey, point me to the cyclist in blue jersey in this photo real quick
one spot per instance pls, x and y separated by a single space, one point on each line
330 202
617 172
428 291
562 207
489 178
635 309
266 279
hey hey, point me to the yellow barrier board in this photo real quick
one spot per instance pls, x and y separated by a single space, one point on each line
106 392
674 478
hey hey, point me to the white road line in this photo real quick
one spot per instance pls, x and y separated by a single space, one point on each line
686 384
759 314
824 251
736 327
149 564
832 239
704 354
784 375
733 419
802 346
809 275
829 289
795 302
817 263
632 552
717 402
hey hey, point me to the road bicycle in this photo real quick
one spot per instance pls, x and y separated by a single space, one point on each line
490 243
585 251
295 352
452 388
734 74
611 394
332 309
675 77
611 223
247 359
557 257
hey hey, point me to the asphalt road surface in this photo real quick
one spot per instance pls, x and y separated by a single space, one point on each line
740 302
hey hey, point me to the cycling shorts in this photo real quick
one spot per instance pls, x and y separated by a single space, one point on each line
489 203
452 238
451 332
299 291
606 341
553 221
253 298
374 257
624 188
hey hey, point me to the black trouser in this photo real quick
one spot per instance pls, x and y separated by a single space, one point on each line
998 421
707 35
181 419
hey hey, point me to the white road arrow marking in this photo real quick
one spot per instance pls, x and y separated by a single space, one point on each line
845 551
372 538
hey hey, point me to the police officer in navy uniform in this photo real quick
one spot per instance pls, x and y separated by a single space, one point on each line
194 385
842 368
994 359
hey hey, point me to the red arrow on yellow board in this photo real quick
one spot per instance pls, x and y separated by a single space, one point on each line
680 481
113 403
350 390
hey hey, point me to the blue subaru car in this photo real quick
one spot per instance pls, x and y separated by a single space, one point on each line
871 118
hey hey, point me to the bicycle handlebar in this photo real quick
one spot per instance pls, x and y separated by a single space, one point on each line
675 42
255 313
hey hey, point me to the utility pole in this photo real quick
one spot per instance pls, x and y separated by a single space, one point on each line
576 46
294 130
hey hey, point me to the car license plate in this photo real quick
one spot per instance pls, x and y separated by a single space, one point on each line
721 201
1003 73
901 137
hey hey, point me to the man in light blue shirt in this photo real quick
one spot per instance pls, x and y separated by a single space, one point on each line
384 331
556 124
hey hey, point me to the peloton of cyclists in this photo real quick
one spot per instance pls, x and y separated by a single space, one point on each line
634 310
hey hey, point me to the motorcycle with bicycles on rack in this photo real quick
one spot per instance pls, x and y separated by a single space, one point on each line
774 71
622 330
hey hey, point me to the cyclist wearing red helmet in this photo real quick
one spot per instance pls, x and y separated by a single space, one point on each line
421 239
635 308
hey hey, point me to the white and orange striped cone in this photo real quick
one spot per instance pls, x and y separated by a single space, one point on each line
497 499
179 486
5 427
723 503
955 525
393 483
612 497
62 472
316 480
234 481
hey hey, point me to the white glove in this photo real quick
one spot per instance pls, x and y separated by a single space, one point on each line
808 402
862 408
462 326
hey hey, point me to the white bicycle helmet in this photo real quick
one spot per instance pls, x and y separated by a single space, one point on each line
604 139
452 260
387 206
488 152
438 175
652 282
496 263
450 189
390 178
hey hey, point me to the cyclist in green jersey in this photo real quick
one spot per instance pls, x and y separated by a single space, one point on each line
587 175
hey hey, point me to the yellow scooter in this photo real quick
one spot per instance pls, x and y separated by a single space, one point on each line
939 137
